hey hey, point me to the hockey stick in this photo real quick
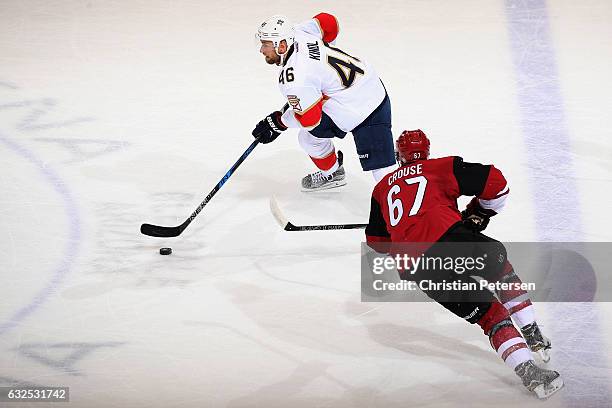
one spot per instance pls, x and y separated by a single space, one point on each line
288 226
168 232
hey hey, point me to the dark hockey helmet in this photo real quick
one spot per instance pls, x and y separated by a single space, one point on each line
411 145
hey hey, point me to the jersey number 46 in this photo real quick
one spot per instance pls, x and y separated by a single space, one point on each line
346 69
286 73
396 208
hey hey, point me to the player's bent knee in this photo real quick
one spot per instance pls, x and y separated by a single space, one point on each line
497 256
313 146
494 318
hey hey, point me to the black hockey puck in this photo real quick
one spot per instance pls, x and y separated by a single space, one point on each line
165 251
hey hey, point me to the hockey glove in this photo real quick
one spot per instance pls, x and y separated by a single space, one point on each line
269 128
475 217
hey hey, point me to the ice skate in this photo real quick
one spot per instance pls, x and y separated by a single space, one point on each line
541 381
536 341
318 181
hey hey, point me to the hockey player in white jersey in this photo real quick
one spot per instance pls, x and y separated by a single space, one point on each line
331 92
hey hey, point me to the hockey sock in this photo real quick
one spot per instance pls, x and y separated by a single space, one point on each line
516 301
505 339
327 164
378 174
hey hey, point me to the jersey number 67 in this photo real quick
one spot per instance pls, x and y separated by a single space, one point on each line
395 205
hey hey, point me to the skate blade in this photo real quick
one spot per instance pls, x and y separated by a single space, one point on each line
333 184
544 352
544 391
544 355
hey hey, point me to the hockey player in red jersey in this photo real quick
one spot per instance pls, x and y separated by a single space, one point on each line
331 92
418 203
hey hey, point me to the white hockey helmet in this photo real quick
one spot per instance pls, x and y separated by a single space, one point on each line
276 29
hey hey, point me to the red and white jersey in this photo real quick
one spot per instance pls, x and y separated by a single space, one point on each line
418 201
317 77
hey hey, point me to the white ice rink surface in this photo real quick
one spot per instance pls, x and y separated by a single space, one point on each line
114 113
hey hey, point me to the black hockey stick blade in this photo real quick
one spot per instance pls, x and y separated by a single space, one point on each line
325 227
168 232
159 231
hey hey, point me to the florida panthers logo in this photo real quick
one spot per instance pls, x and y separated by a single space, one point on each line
294 101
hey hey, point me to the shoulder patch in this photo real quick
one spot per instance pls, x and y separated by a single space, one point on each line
294 101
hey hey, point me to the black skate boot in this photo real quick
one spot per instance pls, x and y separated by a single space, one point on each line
536 341
317 181
541 381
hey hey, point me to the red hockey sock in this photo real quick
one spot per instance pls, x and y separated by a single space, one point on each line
516 301
325 163
505 339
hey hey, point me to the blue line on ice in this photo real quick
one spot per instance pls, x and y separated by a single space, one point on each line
575 327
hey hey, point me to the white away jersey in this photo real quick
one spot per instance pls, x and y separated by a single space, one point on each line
317 76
